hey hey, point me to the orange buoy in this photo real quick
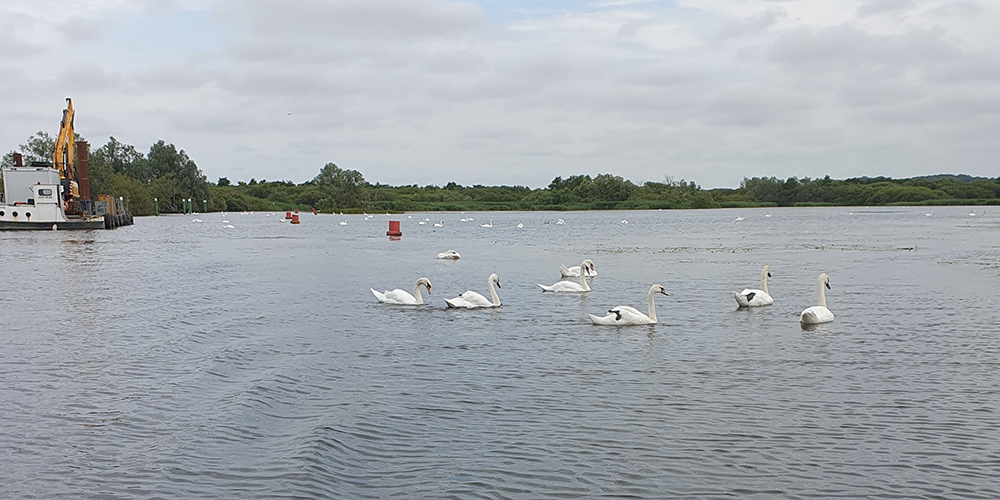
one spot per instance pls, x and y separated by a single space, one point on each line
394 229
295 219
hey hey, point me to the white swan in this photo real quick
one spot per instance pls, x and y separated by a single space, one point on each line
625 315
421 223
520 225
473 300
560 221
569 286
229 226
450 254
739 218
487 225
818 313
752 297
343 223
623 221
400 297
439 224
572 272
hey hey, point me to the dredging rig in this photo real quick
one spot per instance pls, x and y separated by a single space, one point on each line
56 195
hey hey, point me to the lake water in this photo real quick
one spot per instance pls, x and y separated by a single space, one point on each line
176 359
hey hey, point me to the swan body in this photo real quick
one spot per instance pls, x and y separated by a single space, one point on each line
473 300
560 221
739 218
627 315
818 313
421 223
401 297
229 226
570 286
450 255
487 225
753 297
572 272
439 224
343 223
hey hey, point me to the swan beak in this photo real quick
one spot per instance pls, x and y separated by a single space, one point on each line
498 284
664 292
618 314
828 285
428 289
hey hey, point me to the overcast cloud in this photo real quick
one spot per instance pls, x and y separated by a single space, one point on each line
517 92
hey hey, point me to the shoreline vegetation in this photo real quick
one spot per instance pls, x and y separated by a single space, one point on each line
167 175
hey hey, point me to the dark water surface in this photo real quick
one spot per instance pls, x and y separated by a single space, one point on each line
175 359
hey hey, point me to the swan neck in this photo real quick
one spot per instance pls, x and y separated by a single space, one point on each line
416 292
763 281
583 276
652 306
493 294
820 294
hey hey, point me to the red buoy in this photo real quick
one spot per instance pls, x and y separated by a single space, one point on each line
288 215
394 229
295 219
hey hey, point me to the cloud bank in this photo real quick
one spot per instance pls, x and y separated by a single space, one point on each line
431 91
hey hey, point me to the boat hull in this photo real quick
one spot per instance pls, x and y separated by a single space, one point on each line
49 226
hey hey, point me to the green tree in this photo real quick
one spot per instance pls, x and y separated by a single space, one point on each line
341 188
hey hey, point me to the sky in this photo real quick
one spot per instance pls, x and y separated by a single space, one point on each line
517 92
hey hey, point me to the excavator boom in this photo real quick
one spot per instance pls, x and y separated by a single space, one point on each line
64 156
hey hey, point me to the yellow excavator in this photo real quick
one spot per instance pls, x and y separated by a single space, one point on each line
64 157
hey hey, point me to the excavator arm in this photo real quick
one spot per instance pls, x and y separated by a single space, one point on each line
64 156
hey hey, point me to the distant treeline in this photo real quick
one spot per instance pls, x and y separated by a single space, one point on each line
167 175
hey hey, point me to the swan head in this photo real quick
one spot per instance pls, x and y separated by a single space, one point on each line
589 264
767 270
658 289
495 279
425 282
825 280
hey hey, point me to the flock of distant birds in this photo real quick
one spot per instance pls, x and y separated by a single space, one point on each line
440 223
616 316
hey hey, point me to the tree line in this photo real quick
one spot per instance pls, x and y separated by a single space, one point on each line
167 175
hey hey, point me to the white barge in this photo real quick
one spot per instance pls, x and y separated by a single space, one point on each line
56 195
